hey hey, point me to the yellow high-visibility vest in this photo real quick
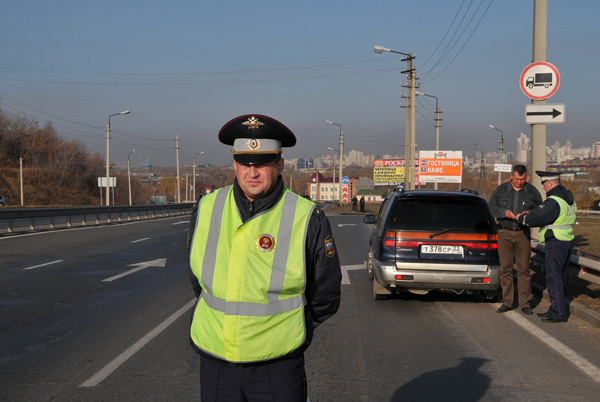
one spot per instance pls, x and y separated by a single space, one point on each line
252 276
563 225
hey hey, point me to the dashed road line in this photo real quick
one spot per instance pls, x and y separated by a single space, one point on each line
346 268
42 265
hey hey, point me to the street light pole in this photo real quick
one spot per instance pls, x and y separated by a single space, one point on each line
437 125
341 158
409 149
194 175
108 153
178 195
332 149
129 175
501 149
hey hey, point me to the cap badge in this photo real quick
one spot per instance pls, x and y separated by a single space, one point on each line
253 144
265 242
253 123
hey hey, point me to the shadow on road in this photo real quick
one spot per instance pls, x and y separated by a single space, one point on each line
463 383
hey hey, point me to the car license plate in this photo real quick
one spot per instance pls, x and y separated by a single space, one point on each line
442 249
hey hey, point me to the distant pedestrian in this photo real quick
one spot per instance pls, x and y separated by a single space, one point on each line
555 217
354 204
362 204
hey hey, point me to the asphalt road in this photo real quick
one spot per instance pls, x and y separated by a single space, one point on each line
72 328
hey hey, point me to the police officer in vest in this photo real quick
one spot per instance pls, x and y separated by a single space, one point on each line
555 217
265 270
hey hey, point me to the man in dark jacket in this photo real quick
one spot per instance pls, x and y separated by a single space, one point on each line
555 217
265 268
514 240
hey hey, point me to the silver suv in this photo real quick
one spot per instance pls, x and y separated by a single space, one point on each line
433 240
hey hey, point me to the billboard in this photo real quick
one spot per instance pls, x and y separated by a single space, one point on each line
388 172
440 166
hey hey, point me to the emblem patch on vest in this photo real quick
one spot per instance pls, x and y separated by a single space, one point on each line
329 248
265 242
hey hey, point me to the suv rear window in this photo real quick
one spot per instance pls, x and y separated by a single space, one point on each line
439 213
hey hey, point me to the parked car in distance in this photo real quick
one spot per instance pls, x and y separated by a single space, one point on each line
433 240
2 201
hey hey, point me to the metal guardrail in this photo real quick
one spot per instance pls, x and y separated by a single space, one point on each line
29 219
581 266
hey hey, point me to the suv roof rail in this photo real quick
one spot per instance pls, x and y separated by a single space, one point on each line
469 190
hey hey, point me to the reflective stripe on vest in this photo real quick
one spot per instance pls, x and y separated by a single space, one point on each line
562 227
249 314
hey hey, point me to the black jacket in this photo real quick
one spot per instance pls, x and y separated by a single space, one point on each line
323 272
505 197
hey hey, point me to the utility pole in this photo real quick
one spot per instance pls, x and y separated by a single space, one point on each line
21 179
538 131
409 147
409 143
177 198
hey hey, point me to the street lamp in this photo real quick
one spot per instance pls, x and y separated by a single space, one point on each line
409 149
501 149
437 125
194 175
341 157
129 174
108 153
333 149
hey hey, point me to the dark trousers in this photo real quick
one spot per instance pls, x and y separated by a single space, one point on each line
278 381
558 254
514 246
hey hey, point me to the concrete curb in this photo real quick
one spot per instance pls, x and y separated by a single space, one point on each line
576 309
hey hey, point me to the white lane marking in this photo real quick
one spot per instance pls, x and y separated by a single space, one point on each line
133 349
346 268
341 225
139 240
180 223
579 361
42 265
161 262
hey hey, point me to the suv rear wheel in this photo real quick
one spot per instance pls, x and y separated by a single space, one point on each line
370 268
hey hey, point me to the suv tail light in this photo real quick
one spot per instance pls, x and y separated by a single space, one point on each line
471 241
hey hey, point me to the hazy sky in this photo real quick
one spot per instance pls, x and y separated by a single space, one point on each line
187 67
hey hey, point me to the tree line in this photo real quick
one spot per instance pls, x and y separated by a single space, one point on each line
57 171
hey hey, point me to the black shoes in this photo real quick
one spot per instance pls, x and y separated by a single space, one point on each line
551 319
527 311
544 315
503 309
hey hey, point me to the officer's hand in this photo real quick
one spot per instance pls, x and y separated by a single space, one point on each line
509 214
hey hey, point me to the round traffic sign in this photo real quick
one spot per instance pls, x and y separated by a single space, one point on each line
539 80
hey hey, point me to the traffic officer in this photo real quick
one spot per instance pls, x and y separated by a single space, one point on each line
555 217
265 270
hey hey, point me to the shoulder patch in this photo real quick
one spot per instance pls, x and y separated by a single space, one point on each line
329 247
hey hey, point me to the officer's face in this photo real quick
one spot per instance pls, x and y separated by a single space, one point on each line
257 181
517 180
